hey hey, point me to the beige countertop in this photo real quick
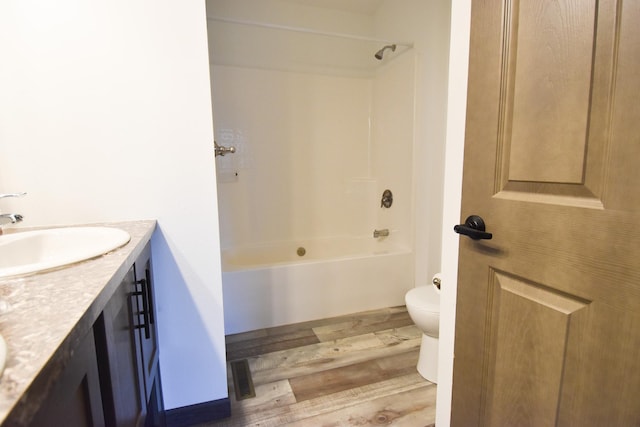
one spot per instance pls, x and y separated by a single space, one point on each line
43 316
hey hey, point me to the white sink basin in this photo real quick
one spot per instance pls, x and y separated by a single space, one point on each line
38 250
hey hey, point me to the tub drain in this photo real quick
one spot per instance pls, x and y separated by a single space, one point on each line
301 251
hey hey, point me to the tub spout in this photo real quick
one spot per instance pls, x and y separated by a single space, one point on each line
380 233
10 218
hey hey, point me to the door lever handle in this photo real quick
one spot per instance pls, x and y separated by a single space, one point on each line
473 227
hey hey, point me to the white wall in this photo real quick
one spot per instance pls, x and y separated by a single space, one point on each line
286 12
105 116
266 46
456 115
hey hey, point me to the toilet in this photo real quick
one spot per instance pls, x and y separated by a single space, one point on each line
423 305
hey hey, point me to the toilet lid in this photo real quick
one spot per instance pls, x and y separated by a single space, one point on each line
424 298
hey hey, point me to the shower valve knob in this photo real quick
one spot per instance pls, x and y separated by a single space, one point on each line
387 199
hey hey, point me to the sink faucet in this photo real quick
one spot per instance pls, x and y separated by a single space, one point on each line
10 218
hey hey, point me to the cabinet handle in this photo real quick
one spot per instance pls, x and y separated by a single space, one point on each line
147 274
144 293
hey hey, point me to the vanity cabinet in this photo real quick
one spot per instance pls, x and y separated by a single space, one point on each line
126 343
115 345
147 340
75 399
111 377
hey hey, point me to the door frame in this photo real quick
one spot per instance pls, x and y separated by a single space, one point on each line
454 155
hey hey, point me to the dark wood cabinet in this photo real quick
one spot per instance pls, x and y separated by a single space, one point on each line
112 376
126 340
146 336
75 399
116 348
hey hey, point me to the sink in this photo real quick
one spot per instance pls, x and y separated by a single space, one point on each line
38 250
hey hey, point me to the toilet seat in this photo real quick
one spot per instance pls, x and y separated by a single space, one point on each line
423 298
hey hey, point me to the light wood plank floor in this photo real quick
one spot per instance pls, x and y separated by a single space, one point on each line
356 370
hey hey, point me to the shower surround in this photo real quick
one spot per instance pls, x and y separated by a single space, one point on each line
316 146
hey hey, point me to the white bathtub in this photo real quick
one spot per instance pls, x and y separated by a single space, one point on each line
265 286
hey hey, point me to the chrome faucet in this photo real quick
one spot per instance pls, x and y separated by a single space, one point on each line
2 196
10 218
380 233
221 150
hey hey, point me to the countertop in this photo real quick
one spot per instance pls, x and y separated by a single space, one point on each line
44 315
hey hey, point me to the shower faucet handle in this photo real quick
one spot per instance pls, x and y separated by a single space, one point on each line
387 199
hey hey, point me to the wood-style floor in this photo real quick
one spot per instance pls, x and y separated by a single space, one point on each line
356 370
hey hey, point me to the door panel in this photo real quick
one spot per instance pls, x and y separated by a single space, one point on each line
624 127
532 326
555 39
555 100
548 323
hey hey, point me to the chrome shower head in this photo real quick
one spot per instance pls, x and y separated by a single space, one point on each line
379 54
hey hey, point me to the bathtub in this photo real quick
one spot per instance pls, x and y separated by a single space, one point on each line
272 285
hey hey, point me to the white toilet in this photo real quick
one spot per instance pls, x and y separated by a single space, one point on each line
423 305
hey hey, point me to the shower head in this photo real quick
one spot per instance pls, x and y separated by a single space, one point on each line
380 53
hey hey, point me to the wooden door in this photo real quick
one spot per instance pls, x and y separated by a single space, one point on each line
548 311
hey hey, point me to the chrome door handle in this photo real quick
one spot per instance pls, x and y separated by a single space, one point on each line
473 227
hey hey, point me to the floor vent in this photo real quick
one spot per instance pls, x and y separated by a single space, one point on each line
242 382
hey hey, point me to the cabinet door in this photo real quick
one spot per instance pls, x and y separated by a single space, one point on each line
155 406
116 346
75 400
146 338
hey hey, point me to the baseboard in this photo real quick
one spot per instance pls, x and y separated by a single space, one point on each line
199 413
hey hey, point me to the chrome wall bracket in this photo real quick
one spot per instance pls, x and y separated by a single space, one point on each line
221 150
